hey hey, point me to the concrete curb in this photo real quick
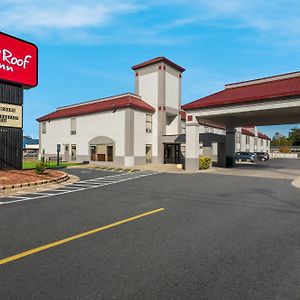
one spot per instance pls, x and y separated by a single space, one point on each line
62 178
296 183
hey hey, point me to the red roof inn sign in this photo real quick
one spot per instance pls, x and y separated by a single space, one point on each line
18 61
18 71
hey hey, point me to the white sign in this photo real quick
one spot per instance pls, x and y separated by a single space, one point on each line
10 115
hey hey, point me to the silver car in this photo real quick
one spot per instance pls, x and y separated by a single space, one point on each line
245 156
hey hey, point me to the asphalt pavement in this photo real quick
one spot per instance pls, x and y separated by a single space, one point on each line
218 237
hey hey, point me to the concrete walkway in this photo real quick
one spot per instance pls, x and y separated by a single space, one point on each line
274 168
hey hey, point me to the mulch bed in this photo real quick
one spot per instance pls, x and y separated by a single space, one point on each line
25 176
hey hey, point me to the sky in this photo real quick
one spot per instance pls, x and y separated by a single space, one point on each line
87 47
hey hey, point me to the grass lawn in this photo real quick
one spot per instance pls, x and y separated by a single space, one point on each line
31 164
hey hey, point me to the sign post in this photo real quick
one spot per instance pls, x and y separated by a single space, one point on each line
58 151
18 71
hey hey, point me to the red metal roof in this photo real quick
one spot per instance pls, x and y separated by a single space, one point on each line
211 124
253 92
158 60
122 101
263 136
247 132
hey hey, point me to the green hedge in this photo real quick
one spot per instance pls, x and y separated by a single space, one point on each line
204 162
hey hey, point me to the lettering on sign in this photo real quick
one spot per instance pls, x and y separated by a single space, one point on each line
10 115
18 61
9 61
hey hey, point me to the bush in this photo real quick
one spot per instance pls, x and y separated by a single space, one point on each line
284 149
204 163
40 168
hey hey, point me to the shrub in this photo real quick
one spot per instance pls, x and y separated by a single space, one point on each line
204 162
40 168
284 149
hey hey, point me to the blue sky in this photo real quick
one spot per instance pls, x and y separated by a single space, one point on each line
86 47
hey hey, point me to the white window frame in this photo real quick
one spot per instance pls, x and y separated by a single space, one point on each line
148 123
73 126
44 128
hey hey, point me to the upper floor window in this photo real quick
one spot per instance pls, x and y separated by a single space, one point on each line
43 127
73 126
148 123
247 139
183 127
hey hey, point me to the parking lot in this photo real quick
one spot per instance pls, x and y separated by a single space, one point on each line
155 236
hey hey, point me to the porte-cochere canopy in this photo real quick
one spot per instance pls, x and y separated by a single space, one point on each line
265 101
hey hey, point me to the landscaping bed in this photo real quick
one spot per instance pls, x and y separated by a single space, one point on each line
27 176
30 164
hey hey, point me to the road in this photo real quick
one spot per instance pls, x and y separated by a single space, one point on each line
218 237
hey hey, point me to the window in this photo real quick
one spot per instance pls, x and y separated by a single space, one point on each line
261 142
148 123
247 139
73 152
73 126
255 144
102 152
43 127
206 129
182 149
238 138
183 127
109 153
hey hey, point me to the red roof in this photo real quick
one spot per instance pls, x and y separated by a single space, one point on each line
211 124
122 101
250 92
247 132
263 136
158 60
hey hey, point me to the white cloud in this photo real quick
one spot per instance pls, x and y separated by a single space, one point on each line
281 16
114 21
32 15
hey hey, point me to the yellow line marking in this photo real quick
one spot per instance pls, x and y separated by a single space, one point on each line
77 236
131 171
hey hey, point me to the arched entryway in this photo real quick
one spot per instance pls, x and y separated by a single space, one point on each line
102 150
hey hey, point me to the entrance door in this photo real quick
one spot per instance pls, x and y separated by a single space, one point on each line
73 152
148 153
171 153
67 152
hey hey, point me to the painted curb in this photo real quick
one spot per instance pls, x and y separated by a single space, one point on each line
62 178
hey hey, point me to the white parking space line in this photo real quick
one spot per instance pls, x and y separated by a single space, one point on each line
82 185
58 190
36 193
18 197
79 186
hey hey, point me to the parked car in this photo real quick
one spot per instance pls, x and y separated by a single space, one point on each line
263 156
245 156
31 154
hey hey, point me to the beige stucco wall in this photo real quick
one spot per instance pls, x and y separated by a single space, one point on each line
141 137
88 127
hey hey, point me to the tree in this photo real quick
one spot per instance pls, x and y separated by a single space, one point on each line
294 136
281 141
